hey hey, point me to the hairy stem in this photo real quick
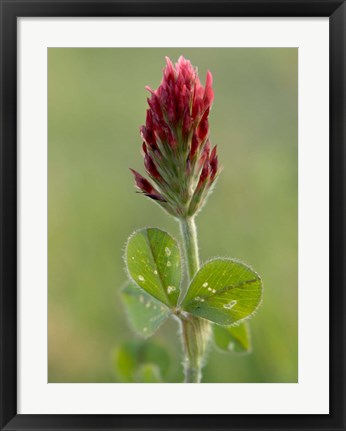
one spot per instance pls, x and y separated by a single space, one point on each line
195 331
189 235
195 337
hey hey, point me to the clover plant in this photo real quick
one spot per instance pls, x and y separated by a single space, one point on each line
209 300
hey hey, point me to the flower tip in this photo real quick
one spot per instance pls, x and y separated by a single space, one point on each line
169 65
137 175
149 89
213 153
208 91
139 180
182 61
209 79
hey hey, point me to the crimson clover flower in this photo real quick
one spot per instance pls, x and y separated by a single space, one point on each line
177 153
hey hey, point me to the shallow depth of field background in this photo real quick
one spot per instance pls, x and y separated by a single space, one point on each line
96 103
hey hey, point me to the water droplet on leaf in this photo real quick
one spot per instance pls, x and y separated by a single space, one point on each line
230 305
171 289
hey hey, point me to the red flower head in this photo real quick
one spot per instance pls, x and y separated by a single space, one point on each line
176 147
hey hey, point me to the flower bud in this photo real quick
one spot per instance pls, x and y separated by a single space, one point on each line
176 146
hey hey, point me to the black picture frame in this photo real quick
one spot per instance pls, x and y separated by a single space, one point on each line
10 10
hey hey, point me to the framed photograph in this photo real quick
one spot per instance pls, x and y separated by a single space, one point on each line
172 207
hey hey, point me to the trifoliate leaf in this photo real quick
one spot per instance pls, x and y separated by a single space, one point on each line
153 262
233 339
145 313
224 291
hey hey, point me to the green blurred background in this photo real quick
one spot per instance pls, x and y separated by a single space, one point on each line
96 103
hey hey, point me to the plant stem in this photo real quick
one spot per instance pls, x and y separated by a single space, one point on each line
195 336
189 235
195 331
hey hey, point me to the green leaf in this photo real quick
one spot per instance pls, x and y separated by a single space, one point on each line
149 373
224 291
125 361
153 262
233 339
130 357
144 312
